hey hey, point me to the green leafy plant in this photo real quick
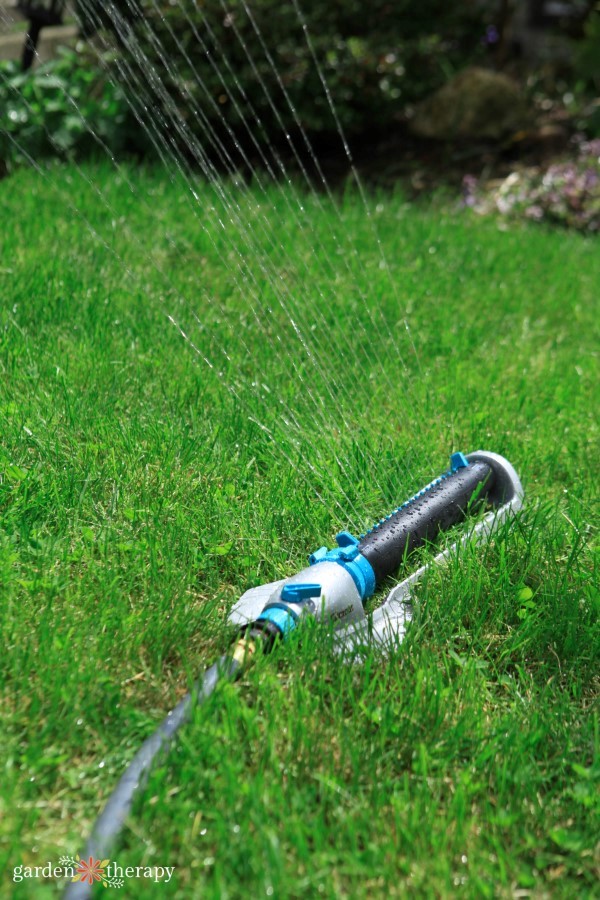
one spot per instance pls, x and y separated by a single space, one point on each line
66 108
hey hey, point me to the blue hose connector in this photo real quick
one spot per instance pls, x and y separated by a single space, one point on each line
281 617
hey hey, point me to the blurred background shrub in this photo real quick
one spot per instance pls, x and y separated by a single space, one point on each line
232 83
376 57
67 107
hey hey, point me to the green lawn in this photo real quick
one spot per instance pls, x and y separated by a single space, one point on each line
142 490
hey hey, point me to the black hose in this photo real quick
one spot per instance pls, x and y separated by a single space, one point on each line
112 819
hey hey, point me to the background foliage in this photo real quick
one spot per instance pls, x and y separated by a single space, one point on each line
375 57
198 80
56 109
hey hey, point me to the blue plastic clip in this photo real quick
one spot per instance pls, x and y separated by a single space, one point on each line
458 461
347 555
296 593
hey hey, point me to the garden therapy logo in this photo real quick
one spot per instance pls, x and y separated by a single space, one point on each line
89 871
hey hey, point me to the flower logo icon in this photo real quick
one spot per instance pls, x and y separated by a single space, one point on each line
90 871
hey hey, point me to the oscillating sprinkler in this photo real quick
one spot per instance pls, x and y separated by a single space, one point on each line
338 582
335 587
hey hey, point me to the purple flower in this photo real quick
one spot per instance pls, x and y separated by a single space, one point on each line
491 36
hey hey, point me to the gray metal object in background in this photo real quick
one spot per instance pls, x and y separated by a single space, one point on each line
14 25
40 14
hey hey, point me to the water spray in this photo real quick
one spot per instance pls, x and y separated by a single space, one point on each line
335 587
